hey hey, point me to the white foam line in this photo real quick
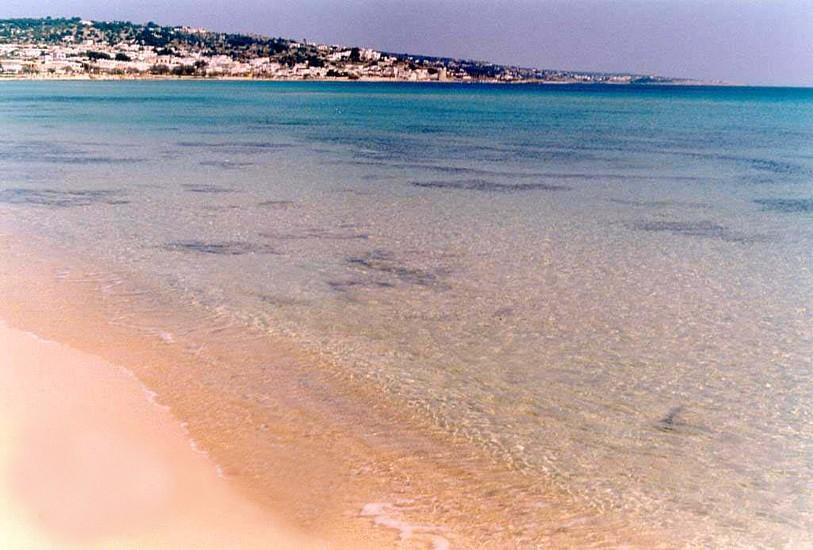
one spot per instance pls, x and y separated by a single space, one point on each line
150 395
200 450
36 337
386 515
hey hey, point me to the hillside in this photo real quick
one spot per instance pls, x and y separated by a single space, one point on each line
59 47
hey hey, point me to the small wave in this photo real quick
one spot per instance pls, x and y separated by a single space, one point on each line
390 516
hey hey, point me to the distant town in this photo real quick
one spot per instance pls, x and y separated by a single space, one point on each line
73 48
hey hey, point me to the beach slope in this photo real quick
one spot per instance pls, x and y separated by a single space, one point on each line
88 459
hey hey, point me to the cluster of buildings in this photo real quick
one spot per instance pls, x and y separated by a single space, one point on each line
62 48
134 60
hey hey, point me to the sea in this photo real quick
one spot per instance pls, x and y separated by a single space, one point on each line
606 290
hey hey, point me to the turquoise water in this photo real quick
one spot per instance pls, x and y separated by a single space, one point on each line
610 286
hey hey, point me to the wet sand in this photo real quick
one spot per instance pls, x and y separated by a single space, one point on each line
298 447
88 459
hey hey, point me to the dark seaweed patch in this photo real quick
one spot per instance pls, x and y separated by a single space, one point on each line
384 262
225 164
670 421
702 229
60 198
206 188
264 124
758 170
221 207
276 204
759 179
468 171
55 153
488 186
787 206
383 147
674 422
235 146
405 148
425 129
277 300
220 248
545 155
357 192
661 204
373 163
453 170
769 166
599 176
92 160
694 229
375 177
476 173
355 284
316 234
773 166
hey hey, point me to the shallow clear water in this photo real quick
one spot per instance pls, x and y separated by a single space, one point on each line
608 286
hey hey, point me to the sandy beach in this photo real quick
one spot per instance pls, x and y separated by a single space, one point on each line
127 403
88 459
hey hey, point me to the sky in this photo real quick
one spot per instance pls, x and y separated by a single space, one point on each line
738 41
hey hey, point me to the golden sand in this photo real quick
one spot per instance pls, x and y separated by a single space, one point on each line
88 460
289 443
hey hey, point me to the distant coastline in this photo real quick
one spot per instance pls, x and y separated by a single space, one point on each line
76 49
158 78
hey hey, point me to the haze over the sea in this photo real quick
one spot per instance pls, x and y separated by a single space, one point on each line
736 41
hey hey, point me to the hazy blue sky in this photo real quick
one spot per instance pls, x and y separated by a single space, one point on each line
750 41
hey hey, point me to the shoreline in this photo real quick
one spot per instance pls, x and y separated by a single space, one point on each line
82 318
88 459
159 78
358 478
